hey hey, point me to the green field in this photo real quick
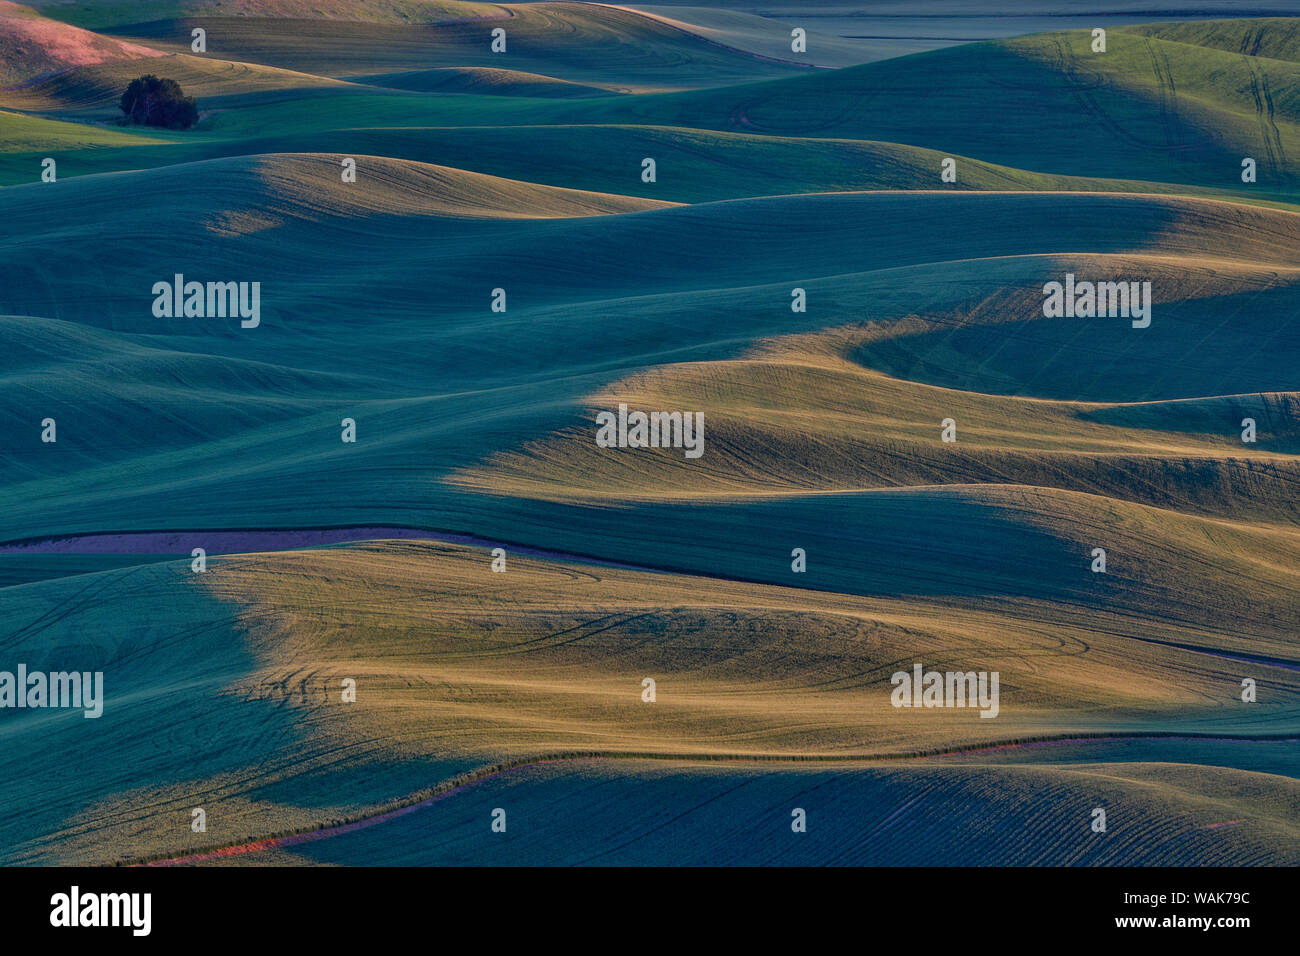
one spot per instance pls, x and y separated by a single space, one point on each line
522 171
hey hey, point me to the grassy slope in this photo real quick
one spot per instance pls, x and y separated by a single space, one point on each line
571 41
763 35
633 814
100 14
443 397
1276 38
32 45
693 165
232 428
885 124
478 668
31 135
797 426
91 93
1053 95
480 81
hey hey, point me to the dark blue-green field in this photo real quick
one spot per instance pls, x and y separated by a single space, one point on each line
841 250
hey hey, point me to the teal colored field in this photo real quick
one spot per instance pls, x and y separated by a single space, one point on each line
908 822
839 257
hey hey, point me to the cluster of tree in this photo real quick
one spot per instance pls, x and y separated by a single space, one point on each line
152 101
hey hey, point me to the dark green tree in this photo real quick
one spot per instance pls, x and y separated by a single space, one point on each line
152 101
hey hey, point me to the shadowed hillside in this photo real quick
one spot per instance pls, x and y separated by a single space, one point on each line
476 672
309 395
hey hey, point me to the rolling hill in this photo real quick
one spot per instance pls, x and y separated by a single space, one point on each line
458 680
461 258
